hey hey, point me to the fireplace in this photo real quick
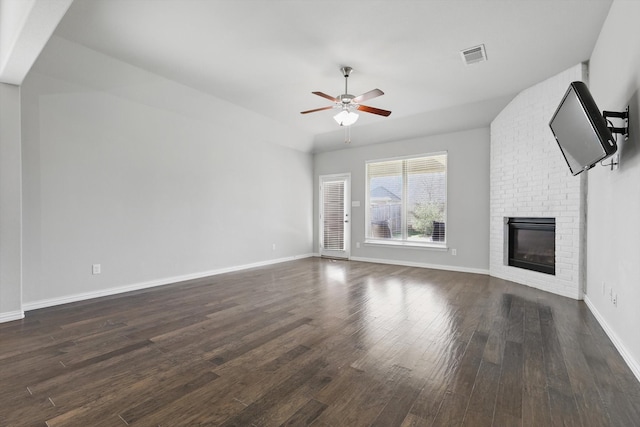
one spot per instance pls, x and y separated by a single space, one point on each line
532 244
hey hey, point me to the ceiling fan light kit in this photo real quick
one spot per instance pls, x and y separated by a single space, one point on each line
348 103
346 118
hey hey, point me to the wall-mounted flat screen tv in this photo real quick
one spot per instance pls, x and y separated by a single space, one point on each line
580 130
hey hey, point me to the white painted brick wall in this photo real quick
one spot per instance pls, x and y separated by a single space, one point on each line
530 178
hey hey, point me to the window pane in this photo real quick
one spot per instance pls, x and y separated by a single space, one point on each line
426 206
385 200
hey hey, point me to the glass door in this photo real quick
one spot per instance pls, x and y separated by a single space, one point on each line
335 221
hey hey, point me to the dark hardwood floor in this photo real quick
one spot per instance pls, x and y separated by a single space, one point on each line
317 342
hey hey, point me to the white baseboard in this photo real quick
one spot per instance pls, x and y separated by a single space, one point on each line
34 305
422 265
11 316
617 342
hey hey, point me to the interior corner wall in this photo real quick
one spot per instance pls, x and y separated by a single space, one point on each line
10 205
613 228
530 178
153 180
467 199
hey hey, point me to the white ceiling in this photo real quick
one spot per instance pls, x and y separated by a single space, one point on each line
269 55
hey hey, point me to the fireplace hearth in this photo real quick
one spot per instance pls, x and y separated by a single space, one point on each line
532 244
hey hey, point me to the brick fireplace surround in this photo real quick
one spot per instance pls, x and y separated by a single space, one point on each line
529 178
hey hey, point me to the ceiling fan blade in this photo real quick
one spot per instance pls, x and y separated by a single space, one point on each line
316 109
324 95
373 110
367 95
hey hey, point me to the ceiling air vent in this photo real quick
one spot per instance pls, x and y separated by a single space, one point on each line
473 55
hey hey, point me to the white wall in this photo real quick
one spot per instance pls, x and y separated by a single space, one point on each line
530 178
10 204
151 179
613 218
467 203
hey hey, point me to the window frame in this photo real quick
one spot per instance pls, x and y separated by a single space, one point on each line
371 241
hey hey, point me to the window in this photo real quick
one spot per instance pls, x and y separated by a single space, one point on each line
407 200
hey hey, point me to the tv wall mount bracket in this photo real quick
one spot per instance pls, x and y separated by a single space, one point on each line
624 115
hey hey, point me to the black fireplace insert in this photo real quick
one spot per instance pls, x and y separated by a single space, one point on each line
532 244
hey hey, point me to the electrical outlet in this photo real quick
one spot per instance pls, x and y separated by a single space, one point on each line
273 248
358 245
454 252
96 269
615 300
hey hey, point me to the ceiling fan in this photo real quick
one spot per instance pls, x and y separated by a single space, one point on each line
347 103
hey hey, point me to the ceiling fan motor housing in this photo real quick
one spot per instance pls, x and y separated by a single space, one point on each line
346 98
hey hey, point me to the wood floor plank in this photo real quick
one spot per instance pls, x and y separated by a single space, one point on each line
564 411
237 388
237 351
369 399
623 409
589 403
556 370
150 405
443 364
509 400
412 420
306 414
535 406
535 400
465 376
515 331
256 409
279 413
139 375
401 401
452 410
623 375
317 342
483 397
427 404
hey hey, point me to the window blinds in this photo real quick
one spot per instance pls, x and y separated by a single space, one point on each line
333 215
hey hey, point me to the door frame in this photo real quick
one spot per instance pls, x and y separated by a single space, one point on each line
346 177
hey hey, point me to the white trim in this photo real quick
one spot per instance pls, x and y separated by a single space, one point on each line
10 316
406 244
423 265
152 283
617 342
409 157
